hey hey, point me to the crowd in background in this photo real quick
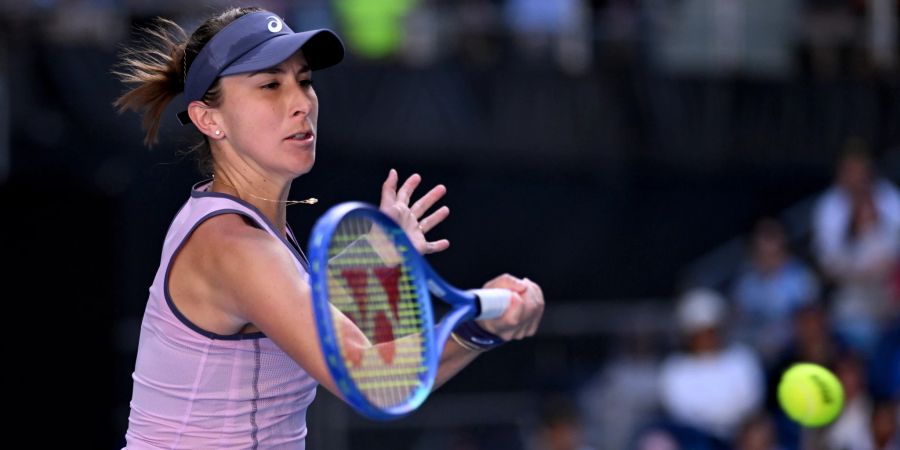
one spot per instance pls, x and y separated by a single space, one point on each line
834 301
710 37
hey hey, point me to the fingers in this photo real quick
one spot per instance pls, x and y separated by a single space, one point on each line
507 281
535 301
526 307
507 325
437 246
389 189
428 200
526 324
516 315
434 219
409 186
392 197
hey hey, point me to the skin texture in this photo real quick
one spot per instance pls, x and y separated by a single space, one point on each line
213 282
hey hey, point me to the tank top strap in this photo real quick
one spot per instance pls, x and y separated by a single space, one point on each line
204 204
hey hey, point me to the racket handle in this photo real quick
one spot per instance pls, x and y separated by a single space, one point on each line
493 302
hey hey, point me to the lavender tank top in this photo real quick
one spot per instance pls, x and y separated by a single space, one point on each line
194 389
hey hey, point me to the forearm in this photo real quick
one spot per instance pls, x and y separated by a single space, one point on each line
454 359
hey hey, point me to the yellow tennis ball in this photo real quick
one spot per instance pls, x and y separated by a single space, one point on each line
810 394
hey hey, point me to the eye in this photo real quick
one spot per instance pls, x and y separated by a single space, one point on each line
306 83
271 86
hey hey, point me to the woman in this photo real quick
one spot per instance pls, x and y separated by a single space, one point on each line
228 354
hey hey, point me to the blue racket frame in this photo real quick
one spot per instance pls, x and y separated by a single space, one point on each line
465 306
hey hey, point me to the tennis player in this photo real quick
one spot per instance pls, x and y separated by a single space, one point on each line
228 355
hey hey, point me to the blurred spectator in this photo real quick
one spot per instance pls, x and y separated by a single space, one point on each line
833 218
629 382
769 289
863 425
667 435
851 430
83 22
559 28
752 38
830 29
882 32
758 433
885 363
712 387
559 428
479 39
813 341
657 440
886 425
856 232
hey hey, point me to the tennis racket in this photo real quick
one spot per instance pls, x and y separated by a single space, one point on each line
364 268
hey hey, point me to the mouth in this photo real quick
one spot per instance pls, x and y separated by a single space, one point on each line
302 136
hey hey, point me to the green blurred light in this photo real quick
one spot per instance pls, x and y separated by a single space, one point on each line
373 28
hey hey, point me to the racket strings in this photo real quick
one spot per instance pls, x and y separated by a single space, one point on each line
371 284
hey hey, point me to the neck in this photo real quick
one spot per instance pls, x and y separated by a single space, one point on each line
266 195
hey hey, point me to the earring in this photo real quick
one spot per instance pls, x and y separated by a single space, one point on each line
218 132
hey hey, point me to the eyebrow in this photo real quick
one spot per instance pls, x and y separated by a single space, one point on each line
277 69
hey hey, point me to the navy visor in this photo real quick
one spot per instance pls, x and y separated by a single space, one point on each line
256 41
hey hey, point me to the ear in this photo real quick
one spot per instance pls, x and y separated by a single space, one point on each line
207 119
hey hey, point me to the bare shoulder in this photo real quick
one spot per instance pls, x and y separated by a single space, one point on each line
230 246
222 263
257 282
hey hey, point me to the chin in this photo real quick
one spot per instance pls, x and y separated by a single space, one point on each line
304 168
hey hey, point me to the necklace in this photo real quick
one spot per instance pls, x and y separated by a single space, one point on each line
309 201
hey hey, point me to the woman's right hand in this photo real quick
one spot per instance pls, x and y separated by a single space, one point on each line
523 315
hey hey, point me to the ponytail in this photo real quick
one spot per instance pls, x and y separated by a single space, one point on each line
154 73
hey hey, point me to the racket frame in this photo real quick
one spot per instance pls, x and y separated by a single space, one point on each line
464 306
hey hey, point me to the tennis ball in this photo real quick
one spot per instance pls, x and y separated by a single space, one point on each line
810 394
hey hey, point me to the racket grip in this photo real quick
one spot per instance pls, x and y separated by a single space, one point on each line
493 302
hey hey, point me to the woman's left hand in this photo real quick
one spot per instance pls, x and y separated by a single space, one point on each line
395 203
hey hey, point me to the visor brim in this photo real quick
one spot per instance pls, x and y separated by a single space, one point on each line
321 48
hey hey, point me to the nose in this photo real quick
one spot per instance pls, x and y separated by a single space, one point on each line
301 101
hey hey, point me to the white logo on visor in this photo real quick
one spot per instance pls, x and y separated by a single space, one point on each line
274 24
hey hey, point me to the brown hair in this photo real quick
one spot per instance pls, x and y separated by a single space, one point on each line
155 70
